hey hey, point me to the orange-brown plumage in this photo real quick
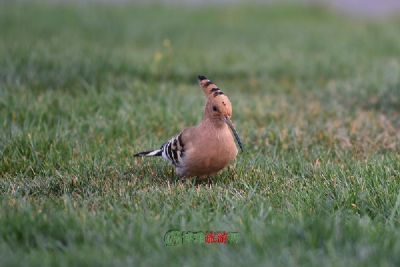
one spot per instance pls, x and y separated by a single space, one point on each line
205 149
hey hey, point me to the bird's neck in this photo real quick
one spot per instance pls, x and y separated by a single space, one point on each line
213 123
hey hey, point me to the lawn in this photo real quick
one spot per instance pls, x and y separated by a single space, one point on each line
316 99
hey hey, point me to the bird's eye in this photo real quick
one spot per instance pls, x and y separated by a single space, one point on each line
215 109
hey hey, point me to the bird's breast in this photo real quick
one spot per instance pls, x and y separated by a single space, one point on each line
210 152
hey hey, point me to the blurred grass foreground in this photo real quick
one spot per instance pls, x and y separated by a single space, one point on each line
85 86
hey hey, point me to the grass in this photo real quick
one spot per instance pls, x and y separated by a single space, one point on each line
316 101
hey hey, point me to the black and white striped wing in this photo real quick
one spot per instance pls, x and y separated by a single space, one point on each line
173 150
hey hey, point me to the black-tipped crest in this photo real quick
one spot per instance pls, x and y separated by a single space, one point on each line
209 87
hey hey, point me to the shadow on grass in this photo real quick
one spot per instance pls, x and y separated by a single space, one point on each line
164 175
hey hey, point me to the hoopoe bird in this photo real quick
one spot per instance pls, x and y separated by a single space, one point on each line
207 148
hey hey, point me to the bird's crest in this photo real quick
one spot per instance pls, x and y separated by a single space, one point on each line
209 88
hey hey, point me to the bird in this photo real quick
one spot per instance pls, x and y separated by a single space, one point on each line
207 148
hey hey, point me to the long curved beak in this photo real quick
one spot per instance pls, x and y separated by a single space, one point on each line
235 133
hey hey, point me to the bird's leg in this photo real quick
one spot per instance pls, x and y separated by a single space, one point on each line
202 180
198 181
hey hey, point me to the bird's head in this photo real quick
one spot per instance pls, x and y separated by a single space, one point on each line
218 107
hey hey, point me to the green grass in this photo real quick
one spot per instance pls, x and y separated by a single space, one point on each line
316 100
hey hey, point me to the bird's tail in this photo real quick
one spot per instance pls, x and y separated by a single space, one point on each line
151 153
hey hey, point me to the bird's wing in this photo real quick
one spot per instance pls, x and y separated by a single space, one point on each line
174 149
